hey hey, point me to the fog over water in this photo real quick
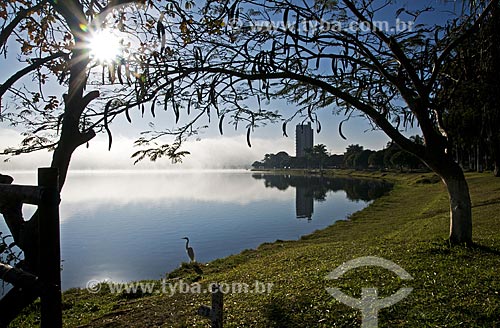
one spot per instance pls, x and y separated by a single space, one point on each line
127 225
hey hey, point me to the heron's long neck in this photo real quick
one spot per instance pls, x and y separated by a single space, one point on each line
187 243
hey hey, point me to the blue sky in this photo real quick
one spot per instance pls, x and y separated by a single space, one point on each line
212 150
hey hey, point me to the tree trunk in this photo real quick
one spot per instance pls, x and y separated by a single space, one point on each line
472 159
495 154
71 138
453 177
479 158
460 203
460 209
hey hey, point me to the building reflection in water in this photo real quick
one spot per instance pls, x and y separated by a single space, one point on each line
304 203
315 188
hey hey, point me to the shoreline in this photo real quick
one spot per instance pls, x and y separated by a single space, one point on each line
408 226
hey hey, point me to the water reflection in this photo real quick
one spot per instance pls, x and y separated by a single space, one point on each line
125 226
310 188
304 204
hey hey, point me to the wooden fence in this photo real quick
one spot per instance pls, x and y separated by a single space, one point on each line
48 282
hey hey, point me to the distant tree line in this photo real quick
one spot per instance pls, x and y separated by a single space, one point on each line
470 96
391 157
355 157
316 157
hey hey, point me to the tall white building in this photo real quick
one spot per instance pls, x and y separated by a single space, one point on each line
303 139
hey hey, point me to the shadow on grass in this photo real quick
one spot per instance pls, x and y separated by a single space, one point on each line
282 312
485 249
445 247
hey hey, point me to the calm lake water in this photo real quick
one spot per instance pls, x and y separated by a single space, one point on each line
125 226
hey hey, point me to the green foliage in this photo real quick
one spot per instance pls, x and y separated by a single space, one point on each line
403 159
350 154
360 160
280 160
355 157
317 156
172 151
376 159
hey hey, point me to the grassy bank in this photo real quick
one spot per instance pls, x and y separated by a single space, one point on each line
452 287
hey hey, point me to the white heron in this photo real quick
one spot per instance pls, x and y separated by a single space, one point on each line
189 250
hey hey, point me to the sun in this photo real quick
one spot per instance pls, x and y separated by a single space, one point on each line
104 45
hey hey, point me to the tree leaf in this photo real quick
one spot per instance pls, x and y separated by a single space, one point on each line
199 92
127 114
309 112
213 96
176 112
106 123
248 137
160 31
340 130
153 105
284 129
231 13
220 124
250 85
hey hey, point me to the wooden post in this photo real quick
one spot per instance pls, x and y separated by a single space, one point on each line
215 313
50 248
217 306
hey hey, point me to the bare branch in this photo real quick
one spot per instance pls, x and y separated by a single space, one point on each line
37 63
394 46
453 44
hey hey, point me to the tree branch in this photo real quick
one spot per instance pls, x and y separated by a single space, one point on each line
35 65
395 48
22 14
73 14
452 45
377 117
113 4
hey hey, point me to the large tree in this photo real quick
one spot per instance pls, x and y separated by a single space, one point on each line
49 42
320 54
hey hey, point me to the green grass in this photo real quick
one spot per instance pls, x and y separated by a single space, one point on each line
452 286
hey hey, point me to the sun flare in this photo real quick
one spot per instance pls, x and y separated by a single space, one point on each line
104 45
